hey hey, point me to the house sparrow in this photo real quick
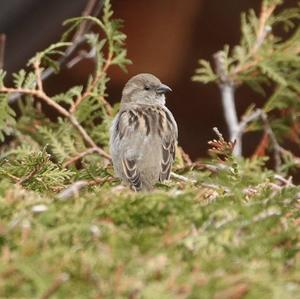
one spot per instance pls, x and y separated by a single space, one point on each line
144 134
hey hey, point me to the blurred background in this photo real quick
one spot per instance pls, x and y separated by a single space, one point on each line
164 37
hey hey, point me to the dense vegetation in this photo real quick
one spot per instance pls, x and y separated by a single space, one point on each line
223 228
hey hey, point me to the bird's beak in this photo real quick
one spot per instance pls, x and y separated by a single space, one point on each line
162 89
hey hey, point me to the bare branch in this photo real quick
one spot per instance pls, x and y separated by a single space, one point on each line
182 178
278 149
286 182
228 102
245 121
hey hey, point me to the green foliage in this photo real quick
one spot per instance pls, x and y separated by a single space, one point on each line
205 72
86 104
63 142
228 230
69 96
7 120
241 238
34 170
267 59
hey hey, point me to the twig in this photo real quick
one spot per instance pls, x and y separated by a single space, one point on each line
28 176
278 150
2 49
259 113
74 189
210 167
245 121
38 75
182 178
80 156
286 182
57 283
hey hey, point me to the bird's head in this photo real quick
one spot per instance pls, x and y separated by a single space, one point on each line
145 89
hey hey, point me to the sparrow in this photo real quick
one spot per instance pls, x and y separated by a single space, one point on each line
143 135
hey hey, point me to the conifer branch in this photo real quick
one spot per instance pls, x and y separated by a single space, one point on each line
263 29
228 79
26 178
91 86
42 95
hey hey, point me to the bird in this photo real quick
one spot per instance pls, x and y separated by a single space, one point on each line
143 135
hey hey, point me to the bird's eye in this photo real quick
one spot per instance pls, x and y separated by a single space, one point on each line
147 87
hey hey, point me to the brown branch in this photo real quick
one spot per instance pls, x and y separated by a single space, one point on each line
278 149
107 105
13 177
41 95
28 176
38 76
80 156
2 49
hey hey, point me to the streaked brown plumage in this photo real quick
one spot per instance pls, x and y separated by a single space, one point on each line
143 134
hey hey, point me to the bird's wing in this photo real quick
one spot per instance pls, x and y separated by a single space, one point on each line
168 156
169 140
131 127
132 174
